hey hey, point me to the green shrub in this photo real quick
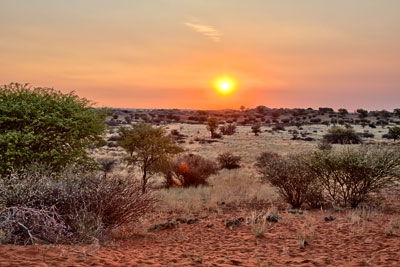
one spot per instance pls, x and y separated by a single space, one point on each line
47 126
291 176
348 177
340 135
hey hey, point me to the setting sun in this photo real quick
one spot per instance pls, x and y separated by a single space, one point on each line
225 85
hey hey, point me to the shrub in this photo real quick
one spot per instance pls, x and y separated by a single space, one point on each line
289 174
190 170
45 125
340 135
107 164
256 129
89 204
22 225
278 127
228 161
350 176
324 145
228 129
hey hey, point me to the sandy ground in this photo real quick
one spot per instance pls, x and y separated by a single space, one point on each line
346 241
352 239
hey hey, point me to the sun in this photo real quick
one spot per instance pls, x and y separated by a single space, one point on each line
225 85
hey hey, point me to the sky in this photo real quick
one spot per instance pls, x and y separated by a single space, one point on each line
166 53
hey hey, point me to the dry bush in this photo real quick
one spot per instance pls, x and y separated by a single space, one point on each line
340 135
89 203
22 225
190 170
352 175
290 175
228 129
228 161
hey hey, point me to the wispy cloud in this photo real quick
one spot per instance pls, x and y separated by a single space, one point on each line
208 31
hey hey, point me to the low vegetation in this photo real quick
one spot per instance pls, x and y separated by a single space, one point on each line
228 161
344 178
69 205
340 135
190 170
44 125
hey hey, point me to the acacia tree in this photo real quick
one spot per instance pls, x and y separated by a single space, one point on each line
212 126
149 148
394 132
46 126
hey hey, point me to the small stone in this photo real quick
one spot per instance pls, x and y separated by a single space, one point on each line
210 225
329 218
272 218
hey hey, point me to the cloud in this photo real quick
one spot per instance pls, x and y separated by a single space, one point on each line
206 30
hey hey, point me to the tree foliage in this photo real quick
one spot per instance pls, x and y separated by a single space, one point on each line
149 148
394 132
212 126
44 125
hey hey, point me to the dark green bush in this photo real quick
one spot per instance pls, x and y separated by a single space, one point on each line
47 126
340 135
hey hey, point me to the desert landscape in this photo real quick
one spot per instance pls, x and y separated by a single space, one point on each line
199 133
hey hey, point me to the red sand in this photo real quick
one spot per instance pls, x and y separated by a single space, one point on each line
336 243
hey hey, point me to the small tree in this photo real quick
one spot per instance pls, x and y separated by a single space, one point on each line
44 125
362 113
212 126
343 111
149 147
394 132
256 129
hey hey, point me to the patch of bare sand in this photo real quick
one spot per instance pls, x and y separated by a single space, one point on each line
341 242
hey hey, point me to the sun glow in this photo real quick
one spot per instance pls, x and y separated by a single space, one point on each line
224 85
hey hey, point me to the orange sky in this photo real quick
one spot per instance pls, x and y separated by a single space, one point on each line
166 53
